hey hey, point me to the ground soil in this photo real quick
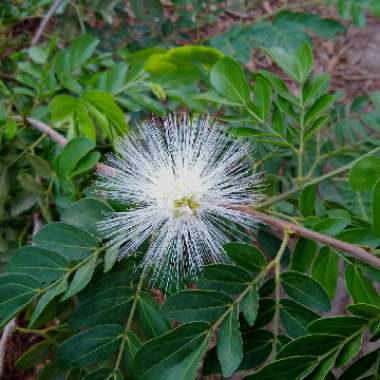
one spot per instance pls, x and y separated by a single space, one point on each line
352 60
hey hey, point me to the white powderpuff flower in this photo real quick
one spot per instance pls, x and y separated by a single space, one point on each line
185 183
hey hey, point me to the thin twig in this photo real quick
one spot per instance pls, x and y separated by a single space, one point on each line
44 128
37 224
129 323
277 289
44 22
7 332
340 245
315 181
55 136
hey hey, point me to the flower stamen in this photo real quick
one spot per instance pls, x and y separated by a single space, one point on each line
184 184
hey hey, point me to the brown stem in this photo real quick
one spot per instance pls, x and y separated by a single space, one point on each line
7 332
44 128
55 136
340 245
44 22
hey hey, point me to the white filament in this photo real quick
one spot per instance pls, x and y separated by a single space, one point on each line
184 183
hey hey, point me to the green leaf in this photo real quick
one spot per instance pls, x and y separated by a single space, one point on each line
323 370
174 355
86 163
245 255
150 316
314 86
304 55
365 173
24 202
211 363
30 184
313 345
132 345
364 310
376 209
69 241
91 346
249 305
295 318
318 108
360 236
262 97
82 277
181 59
297 65
360 287
44 264
331 226
286 107
326 269
30 71
295 368
114 79
85 213
84 123
214 97
345 326
303 255
230 344
62 108
349 350
76 55
360 366
10 129
110 258
267 309
307 200
267 288
110 305
126 272
278 120
71 83
104 373
270 244
313 22
257 346
105 104
16 291
38 54
82 49
73 152
316 125
239 40
34 355
196 305
227 278
39 165
228 79
305 290
51 371
50 294
279 86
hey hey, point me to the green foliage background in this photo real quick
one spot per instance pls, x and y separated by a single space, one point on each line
276 310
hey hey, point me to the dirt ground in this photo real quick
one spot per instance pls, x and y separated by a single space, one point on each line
352 60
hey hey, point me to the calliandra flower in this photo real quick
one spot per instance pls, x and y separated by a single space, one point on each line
185 183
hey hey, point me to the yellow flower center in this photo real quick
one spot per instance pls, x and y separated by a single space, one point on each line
185 206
